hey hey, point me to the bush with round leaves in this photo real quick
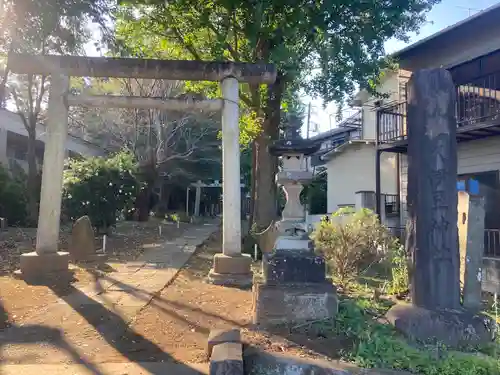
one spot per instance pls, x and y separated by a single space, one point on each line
101 188
13 199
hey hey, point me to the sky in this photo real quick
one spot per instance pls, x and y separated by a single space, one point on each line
445 14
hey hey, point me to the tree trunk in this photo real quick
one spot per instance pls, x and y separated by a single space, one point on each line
33 187
264 164
265 187
142 203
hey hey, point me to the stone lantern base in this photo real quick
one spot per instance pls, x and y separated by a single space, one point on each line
293 289
293 303
38 267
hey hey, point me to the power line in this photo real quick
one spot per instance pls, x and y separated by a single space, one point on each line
469 9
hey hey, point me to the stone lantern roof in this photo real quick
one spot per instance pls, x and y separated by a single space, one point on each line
293 143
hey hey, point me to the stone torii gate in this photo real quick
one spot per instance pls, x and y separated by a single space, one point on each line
230 267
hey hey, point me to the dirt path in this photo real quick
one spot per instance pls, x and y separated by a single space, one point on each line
88 322
103 325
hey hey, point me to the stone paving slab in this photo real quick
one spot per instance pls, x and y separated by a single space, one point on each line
132 287
128 292
144 368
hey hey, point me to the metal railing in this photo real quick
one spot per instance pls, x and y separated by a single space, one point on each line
354 120
478 102
392 204
492 243
391 123
491 240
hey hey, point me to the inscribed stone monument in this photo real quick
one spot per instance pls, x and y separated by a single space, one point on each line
436 314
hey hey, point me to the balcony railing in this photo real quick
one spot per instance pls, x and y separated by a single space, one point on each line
477 103
355 120
391 204
391 123
491 240
492 243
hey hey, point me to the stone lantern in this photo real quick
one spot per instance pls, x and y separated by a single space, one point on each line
294 287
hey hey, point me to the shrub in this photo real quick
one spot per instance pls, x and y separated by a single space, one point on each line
102 188
350 240
399 270
13 199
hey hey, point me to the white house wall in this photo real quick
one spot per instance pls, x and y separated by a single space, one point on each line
482 155
353 170
390 86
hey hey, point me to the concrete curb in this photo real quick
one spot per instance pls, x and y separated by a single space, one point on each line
226 352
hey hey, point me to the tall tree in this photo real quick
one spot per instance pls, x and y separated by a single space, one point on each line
328 47
41 27
169 145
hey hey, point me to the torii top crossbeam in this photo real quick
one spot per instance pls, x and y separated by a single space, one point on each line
182 70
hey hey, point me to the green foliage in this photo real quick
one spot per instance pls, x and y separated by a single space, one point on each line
102 188
379 346
178 217
246 168
399 269
315 195
329 46
351 240
13 199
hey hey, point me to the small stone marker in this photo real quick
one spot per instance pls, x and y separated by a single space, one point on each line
471 215
3 223
82 246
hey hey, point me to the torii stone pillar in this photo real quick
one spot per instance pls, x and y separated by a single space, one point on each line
46 259
197 199
230 267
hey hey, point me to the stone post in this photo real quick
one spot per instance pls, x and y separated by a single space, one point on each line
432 193
197 199
231 204
46 258
471 215
432 239
3 148
231 268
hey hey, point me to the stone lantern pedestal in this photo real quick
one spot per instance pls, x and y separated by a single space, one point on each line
294 287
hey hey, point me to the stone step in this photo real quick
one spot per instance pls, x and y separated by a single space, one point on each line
127 368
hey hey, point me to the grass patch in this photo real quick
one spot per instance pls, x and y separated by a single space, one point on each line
375 344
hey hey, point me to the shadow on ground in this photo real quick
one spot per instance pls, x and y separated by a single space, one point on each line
39 334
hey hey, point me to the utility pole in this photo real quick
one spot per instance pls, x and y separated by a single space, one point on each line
470 10
308 120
